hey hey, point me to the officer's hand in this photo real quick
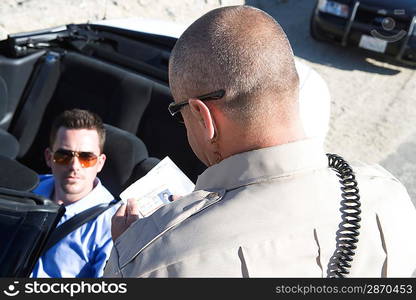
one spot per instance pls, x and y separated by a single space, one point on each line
123 218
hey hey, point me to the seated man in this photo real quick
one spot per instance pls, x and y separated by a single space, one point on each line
75 157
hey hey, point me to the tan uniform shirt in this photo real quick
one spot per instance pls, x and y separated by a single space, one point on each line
272 212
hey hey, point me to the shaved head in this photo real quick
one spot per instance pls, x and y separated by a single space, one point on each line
244 51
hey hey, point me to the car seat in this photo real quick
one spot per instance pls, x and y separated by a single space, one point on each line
9 146
16 176
119 96
127 160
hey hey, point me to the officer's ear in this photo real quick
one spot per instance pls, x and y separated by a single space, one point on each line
203 117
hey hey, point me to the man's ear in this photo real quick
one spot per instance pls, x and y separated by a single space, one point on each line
101 161
48 157
204 116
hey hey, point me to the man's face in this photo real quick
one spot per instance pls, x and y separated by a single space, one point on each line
72 181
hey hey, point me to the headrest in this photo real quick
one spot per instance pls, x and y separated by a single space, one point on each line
16 176
9 146
124 151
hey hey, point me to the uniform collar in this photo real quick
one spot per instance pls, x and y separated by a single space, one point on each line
263 164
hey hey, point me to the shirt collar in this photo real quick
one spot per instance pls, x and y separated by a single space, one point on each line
95 197
248 167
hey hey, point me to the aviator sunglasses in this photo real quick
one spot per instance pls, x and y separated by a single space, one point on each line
175 108
64 157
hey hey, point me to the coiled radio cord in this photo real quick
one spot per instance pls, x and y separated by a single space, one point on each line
348 232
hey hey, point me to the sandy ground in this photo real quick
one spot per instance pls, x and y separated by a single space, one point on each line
28 15
372 109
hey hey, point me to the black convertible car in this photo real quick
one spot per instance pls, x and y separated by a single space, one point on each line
385 27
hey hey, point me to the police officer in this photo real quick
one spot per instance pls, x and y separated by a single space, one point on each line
268 205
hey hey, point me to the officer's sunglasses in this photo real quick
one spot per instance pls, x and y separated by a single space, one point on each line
64 157
175 108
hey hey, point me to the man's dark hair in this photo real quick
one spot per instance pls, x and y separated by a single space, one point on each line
78 119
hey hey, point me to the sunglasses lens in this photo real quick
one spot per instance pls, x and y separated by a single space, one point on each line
87 159
62 157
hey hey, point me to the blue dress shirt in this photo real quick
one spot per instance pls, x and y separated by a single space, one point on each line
84 252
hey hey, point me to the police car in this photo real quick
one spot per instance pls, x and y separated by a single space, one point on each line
383 27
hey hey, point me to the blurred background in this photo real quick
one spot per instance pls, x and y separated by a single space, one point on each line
372 101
